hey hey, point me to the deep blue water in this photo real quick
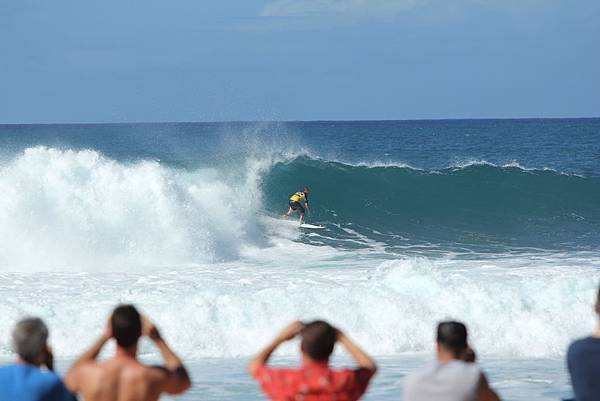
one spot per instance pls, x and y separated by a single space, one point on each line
566 145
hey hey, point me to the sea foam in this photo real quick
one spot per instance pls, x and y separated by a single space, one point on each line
514 306
74 210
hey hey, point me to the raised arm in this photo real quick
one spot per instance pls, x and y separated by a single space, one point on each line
360 357
73 376
286 334
92 353
177 379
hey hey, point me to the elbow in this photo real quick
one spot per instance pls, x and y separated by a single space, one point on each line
182 386
369 365
251 368
372 367
182 381
187 383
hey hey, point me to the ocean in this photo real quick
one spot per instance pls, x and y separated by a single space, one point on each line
492 222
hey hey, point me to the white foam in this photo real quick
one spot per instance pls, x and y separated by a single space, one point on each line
374 164
513 306
77 210
461 165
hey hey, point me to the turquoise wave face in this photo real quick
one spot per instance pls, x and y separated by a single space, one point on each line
477 207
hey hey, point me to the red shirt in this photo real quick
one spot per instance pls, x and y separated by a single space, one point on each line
313 382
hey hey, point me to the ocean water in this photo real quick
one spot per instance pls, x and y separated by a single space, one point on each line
493 222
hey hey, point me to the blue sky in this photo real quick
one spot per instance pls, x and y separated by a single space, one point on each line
205 60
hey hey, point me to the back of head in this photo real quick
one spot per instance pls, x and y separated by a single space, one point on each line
126 325
29 339
306 189
452 336
318 340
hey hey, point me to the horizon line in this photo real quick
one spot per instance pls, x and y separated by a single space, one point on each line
302 121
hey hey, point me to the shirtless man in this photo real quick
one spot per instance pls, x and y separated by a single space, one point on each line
123 377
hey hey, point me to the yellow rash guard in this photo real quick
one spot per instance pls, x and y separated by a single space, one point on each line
298 197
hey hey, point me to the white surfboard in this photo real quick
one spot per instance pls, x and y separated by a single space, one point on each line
305 225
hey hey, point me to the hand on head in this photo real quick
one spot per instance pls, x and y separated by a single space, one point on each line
291 331
48 358
107 334
469 355
149 329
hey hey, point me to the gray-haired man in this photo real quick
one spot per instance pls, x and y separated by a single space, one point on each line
25 380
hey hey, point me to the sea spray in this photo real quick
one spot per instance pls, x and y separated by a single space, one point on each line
78 209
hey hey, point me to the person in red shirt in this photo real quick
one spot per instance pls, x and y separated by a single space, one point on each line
315 380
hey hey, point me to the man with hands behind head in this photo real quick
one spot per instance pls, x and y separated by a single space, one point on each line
315 380
123 377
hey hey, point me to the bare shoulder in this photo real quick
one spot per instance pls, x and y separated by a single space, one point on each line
81 374
85 368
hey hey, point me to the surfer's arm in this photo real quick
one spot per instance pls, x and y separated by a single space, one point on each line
360 357
262 358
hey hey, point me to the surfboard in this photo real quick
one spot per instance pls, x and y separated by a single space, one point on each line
305 225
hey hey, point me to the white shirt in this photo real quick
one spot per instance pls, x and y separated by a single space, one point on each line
447 381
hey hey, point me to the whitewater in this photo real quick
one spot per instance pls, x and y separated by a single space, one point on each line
184 221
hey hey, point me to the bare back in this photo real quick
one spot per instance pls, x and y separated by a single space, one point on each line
120 379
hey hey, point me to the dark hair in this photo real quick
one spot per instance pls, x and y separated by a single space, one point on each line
318 340
126 325
306 188
452 336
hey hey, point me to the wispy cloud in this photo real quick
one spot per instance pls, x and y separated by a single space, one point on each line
383 8
296 8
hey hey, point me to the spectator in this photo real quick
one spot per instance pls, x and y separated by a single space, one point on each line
454 376
315 380
583 362
26 379
123 377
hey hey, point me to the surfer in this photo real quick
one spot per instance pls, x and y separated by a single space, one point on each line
296 203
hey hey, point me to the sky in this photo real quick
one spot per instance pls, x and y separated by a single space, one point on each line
229 60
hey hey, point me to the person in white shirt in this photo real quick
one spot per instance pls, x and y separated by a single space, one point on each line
454 376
